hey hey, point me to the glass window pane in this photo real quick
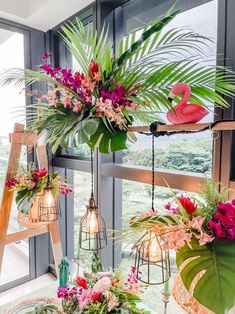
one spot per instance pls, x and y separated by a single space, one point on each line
82 192
197 148
12 100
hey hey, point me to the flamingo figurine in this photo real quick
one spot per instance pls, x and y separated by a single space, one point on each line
184 112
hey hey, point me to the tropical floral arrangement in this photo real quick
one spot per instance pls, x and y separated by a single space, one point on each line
96 102
103 292
202 232
30 181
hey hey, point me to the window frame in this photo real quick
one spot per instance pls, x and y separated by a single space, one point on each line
34 47
109 170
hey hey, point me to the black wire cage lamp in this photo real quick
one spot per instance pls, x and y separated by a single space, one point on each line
152 262
92 233
49 207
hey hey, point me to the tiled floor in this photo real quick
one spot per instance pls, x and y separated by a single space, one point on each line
14 255
45 285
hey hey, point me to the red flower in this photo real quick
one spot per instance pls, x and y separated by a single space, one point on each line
93 68
96 297
39 173
81 282
187 204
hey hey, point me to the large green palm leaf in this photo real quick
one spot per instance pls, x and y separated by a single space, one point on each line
149 62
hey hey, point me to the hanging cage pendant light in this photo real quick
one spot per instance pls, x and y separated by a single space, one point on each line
48 206
92 234
152 262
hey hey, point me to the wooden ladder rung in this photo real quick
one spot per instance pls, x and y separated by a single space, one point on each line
28 139
26 233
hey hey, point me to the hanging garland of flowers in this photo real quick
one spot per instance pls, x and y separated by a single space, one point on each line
202 232
96 103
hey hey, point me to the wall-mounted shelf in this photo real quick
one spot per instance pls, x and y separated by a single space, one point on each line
219 126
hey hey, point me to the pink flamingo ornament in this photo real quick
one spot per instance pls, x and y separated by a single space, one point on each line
184 112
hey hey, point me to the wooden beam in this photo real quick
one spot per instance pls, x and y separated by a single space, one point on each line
196 127
7 198
25 233
180 180
28 139
53 229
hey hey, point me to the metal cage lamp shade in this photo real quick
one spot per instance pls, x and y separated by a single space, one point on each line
150 258
92 235
150 254
48 206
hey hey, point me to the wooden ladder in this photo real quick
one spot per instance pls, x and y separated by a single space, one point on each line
17 140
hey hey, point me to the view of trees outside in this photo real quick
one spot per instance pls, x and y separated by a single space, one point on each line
12 110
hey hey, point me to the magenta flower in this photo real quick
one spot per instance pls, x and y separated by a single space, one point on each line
11 183
62 292
231 232
46 56
216 228
173 210
225 213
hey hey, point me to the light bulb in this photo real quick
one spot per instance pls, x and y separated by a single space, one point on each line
92 225
153 251
48 206
49 199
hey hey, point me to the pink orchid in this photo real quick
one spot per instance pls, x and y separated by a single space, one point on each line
77 106
104 274
85 298
66 101
102 284
149 214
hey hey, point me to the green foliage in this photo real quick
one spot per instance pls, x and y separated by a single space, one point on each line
212 193
216 287
108 141
44 308
96 265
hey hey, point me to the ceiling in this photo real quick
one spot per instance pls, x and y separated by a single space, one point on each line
40 14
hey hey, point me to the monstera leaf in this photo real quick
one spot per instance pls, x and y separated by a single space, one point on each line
216 287
108 140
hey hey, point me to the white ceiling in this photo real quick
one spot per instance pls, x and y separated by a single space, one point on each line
40 14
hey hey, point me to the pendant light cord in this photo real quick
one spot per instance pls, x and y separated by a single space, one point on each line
153 173
92 174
